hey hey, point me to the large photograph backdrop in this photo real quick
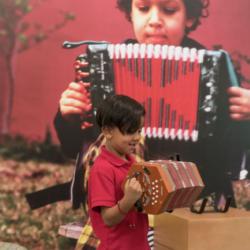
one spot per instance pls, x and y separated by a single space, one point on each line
43 71
35 70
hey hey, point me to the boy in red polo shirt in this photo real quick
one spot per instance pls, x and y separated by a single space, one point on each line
115 221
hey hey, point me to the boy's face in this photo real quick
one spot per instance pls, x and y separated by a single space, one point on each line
122 144
159 21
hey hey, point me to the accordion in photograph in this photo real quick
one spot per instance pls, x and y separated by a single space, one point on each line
167 184
180 88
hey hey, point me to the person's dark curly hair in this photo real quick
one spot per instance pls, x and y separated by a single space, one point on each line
195 9
122 112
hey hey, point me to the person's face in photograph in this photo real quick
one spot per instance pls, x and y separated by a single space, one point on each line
159 21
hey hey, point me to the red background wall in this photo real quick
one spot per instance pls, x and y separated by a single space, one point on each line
43 72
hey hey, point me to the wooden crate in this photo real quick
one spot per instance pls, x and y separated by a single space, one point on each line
183 230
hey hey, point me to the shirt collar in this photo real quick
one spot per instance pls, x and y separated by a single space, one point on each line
114 159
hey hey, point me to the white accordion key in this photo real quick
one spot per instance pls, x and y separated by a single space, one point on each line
136 50
166 133
180 134
142 51
194 135
150 50
111 49
117 51
172 133
157 51
123 51
154 132
201 54
186 135
159 133
148 132
185 54
129 50
164 51
177 53
171 50
193 54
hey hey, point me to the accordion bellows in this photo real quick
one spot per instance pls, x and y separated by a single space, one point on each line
167 184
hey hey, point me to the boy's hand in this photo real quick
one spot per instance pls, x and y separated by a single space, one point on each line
132 190
239 103
75 100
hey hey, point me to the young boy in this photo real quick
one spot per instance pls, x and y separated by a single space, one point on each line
115 221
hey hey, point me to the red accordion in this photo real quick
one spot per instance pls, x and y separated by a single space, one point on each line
167 184
179 87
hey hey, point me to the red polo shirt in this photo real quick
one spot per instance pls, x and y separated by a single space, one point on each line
104 190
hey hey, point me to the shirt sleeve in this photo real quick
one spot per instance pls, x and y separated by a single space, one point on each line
72 138
101 187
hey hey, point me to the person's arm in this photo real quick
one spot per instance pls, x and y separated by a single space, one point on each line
70 135
74 103
114 215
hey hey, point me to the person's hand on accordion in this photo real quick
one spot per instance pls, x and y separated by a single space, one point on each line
75 100
239 103
132 190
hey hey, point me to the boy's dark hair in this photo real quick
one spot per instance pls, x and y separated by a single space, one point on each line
195 9
122 112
